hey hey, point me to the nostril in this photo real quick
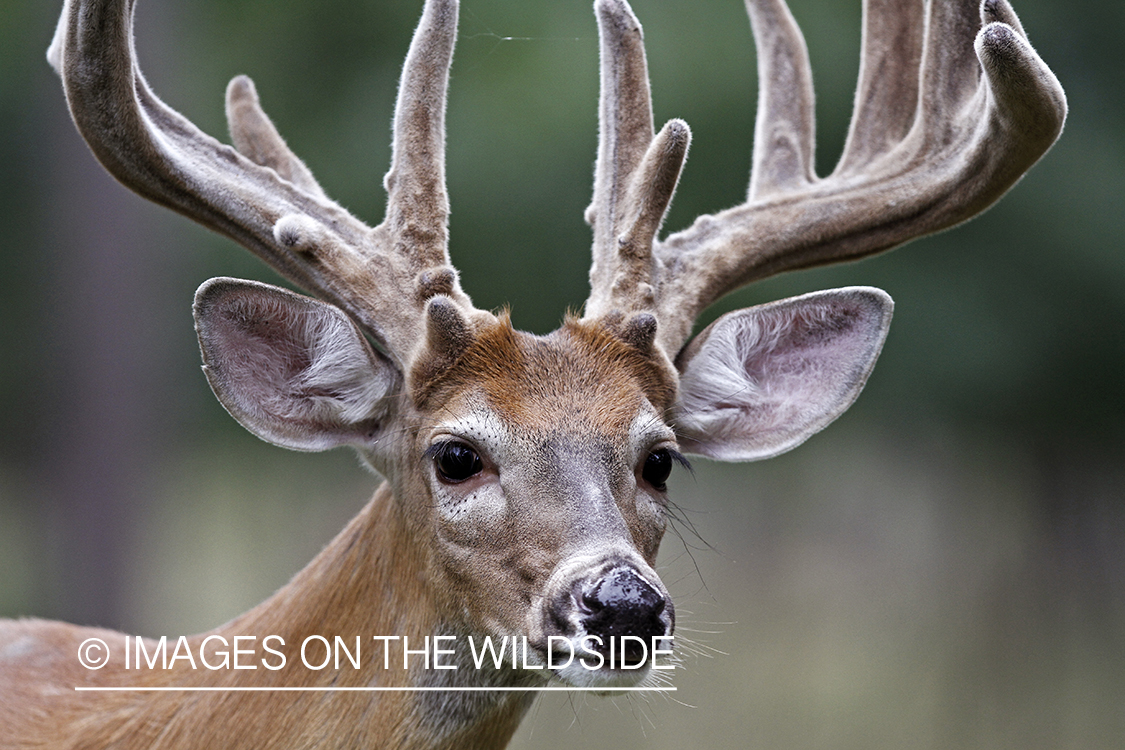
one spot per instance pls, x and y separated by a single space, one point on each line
592 601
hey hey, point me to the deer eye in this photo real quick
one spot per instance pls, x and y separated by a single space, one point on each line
455 462
657 468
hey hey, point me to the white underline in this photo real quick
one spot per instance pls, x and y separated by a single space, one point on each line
251 689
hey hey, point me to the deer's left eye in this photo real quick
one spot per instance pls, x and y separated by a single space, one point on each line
455 462
657 468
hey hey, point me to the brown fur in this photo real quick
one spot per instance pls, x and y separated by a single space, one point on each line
525 376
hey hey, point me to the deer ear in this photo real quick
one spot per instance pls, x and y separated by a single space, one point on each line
294 371
760 381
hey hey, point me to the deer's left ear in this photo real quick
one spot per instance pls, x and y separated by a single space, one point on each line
760 381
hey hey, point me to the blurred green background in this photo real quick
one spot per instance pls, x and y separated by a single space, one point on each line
944 567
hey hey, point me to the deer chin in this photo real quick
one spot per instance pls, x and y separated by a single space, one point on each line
613 681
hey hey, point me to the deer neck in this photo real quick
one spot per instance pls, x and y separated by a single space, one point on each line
371 581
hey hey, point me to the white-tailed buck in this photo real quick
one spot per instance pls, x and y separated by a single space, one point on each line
525 475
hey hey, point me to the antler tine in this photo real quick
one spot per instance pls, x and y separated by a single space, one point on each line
886 96
256 138
636 172
943 126
417 201
262 195
415 230
785 126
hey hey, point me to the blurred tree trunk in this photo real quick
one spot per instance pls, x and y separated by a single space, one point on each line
99 430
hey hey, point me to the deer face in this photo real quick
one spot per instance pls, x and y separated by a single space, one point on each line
534 472
532 469
545 462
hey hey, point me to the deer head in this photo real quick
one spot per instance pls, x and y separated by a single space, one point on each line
527 473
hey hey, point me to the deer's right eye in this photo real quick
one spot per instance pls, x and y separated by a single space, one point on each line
455 462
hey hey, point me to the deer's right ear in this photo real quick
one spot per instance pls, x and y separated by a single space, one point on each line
294 371
760 381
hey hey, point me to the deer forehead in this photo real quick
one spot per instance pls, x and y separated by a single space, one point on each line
580 379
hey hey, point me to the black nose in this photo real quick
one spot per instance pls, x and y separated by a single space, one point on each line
622 603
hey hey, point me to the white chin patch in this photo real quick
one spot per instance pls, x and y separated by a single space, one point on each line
577 675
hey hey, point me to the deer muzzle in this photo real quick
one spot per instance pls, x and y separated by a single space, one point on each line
614 618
